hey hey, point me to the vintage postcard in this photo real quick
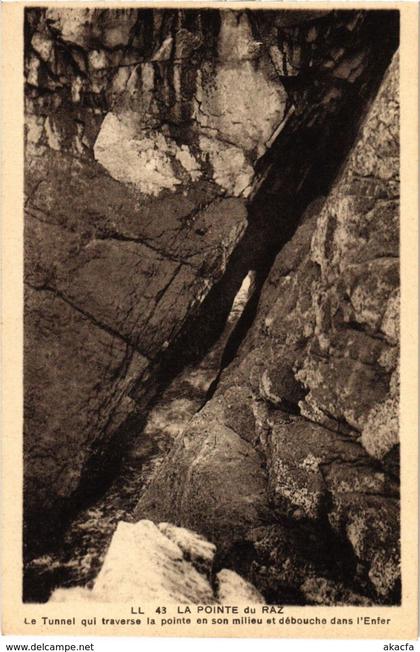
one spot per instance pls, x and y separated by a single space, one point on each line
210 279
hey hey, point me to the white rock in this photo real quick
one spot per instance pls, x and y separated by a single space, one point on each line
73 24
165 50
243 106
53 137
142 564
97 59
195 547
149 563
231 170
140 157
188 162
381 431
34 127
72 594
233 589
236 42
42 45
33 70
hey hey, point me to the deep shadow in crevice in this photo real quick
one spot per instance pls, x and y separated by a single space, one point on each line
268 553
103 466
299 167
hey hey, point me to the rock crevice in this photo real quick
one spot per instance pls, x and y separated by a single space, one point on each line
326 465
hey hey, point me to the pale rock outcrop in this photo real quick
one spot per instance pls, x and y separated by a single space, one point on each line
233 117
195 548
233 589
165 565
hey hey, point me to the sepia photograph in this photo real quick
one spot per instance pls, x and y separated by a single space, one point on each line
211 308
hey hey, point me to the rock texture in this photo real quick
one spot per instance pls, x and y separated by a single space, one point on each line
169 153
223 487
161 564
312 395
82 549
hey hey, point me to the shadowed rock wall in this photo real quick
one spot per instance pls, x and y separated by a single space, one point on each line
292 466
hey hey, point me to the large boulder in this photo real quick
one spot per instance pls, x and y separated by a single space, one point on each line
102 305
223 490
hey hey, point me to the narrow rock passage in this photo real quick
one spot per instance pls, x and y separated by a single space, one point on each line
86 540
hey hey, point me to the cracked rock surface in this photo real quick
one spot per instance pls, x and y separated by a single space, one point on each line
314 375
169 155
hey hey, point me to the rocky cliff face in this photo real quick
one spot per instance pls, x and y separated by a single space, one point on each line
297 451
169 153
